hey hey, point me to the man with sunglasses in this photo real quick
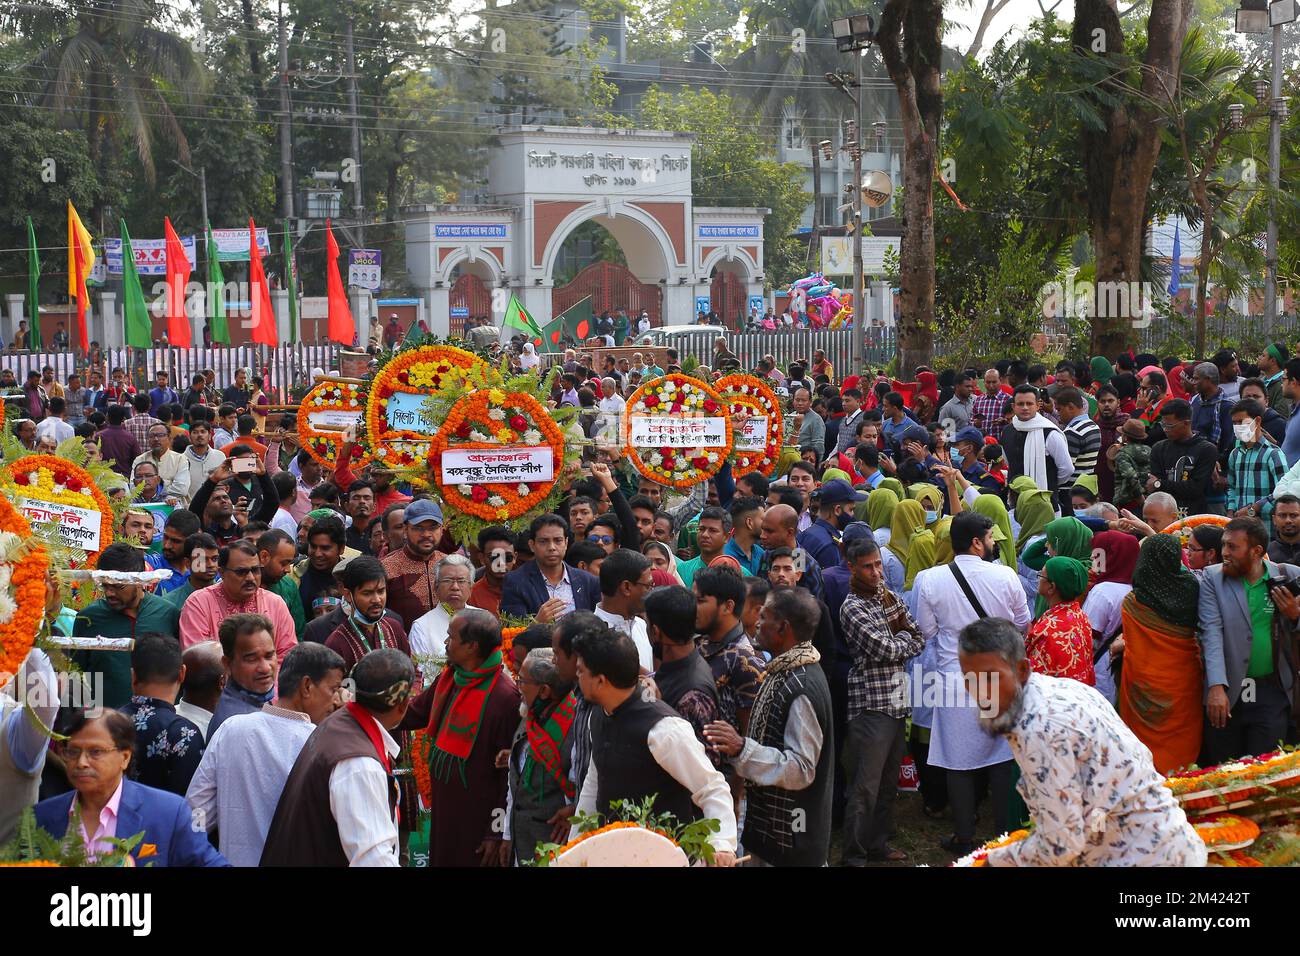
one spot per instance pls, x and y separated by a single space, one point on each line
496 545
625 580
239 591
605 532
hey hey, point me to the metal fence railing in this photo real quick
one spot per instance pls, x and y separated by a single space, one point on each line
285 367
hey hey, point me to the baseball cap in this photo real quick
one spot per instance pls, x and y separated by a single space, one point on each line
971 434
856 531
422 510
837 491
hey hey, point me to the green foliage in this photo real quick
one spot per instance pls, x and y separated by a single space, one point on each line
692 837
732 164
31 844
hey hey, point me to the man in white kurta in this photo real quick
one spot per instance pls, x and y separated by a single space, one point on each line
957 743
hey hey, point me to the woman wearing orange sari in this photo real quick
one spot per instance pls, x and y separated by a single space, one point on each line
1162 680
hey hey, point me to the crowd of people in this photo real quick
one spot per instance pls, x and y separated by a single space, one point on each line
970 571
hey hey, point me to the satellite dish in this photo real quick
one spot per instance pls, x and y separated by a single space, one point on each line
877 187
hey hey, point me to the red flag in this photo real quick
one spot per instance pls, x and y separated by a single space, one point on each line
341 327
178 273
263 315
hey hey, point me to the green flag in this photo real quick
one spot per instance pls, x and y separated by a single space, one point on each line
291 283
577 321
139 326
33 274
216 295
517 317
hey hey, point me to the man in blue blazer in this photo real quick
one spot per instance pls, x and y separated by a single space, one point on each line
546 587
1247 632
98 751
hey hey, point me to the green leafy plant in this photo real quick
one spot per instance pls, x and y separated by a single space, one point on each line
31 844
692 837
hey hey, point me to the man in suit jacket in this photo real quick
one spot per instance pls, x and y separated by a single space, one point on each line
98 752
1248 627
546 587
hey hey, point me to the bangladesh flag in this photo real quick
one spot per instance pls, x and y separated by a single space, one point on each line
517 317
577 319
217 323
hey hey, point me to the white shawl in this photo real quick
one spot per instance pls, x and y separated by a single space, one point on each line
1035 451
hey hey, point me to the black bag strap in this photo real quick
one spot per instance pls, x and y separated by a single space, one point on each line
980 613
1105 646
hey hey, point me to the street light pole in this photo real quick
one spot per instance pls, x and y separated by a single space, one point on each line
854 34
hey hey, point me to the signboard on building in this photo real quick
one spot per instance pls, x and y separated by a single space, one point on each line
150 255
727 231
232 244
469 230
837 254
365 266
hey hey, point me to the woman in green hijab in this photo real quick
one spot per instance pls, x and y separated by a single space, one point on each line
931 498
1102 371
1033 512
1065 538
880 505
992 507
911 541
894 485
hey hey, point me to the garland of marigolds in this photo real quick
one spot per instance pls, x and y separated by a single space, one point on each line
749 395
428 370
324 444
24 565
50 480
675 397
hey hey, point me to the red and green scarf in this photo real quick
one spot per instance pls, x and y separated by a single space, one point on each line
459 698
544 740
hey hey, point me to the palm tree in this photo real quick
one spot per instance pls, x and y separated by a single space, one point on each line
105 68
784 71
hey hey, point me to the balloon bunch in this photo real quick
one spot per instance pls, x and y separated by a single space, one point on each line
821 302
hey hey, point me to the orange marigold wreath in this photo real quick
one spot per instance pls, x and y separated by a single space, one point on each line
420 743
324 446
422 370
494 419
676 396
749 395
22 589
508 635
45 478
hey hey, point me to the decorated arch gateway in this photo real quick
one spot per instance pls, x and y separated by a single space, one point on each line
545 182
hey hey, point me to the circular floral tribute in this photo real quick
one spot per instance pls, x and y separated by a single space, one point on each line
48 488
1226 831
419 373
330 403
661 442
750 396
980 857
507 423
23 567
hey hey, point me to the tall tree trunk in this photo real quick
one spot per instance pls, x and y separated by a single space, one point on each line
251 34
1120 160
910 44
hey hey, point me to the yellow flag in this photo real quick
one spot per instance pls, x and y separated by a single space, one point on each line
81 256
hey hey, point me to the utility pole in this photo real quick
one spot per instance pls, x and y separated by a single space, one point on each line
358 204
286 141
859 291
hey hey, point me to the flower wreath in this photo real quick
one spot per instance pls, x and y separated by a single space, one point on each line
750 396
329 396
495 419
50 480
676 396
980 857
24 563
1226 831
425 369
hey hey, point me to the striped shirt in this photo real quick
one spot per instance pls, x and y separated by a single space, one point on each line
1083 439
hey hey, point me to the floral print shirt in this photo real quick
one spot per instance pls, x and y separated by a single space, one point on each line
168 747
1093 794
